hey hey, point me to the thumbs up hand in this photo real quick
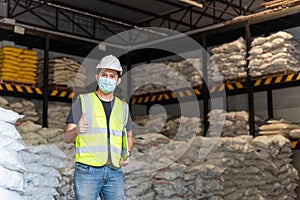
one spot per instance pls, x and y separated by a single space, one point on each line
82 126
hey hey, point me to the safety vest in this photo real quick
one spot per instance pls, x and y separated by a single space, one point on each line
91 147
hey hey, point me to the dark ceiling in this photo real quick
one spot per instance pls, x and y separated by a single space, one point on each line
91 21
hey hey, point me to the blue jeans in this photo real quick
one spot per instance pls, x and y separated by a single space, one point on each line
92 182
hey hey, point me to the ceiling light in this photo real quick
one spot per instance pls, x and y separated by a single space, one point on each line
194 3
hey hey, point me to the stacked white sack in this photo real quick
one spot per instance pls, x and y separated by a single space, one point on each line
23 106
282 127
276 53
63 71
12 167
154 151
240 168
57 114
230 124
278 177
144 79
228 61
137 180
34 134
42 177
66 191
169 182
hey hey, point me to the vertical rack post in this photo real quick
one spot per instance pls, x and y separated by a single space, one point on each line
46 88
270 103
129 85
204 87
249 84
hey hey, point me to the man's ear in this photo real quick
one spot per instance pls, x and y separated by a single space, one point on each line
119 81
97 76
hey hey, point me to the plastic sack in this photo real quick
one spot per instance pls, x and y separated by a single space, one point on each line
52 149
11 179
9 143
9 116
9 195
11 160
9 130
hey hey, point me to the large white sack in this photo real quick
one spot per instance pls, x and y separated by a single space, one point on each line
9 116
46 192
11 160
39 169
9 143
52 149
9 130
47 160
11 179
38 180
10 195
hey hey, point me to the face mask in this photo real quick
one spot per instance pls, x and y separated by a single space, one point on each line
107 85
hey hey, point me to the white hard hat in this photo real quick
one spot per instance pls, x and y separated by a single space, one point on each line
110 62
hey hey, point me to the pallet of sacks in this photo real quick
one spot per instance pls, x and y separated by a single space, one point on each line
18 65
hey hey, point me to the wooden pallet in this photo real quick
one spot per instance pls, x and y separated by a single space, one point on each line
2 81
281 73
65 88
280 3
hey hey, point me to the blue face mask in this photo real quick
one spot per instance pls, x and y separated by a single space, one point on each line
107 85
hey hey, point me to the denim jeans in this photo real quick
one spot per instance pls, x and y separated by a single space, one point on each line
92 182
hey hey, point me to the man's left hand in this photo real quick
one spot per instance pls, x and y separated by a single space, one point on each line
123 162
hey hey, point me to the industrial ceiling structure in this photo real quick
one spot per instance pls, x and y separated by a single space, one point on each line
93 21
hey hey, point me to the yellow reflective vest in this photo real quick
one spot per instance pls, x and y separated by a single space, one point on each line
92 147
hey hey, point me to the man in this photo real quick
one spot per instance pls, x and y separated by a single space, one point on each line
100 125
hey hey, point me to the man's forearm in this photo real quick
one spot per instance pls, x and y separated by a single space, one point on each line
70 135
130 140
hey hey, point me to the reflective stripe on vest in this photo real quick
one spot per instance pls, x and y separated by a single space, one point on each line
91 147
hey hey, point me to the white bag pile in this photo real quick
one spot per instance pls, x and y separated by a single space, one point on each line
27 108
63 71
278 176
137 181
281 126
242 168
187 125
228 61
65 190
169 182
235 123
12 167
42 176
186 71
57 114
34 134
276 53
23 106
190 68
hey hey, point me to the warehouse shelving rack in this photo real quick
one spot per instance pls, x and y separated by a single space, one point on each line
247 27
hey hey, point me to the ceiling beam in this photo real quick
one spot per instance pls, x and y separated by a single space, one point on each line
234 6
122 21
171 2
142 11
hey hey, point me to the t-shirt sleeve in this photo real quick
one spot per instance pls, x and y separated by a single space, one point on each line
75 112
129 123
